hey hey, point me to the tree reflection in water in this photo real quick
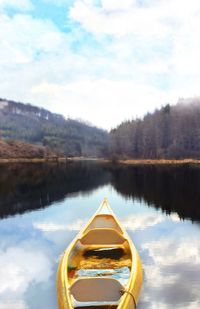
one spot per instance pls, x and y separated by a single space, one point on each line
24 187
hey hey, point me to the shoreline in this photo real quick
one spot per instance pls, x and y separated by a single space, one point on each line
102 160
159 162
33 160
50 159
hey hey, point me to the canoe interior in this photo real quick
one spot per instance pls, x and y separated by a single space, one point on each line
112 261
91 261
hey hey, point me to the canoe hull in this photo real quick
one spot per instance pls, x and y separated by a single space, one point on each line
130 294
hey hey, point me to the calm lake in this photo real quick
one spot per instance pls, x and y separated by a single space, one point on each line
43 206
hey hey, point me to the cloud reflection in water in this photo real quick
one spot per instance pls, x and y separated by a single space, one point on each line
31 244
171 268
21 267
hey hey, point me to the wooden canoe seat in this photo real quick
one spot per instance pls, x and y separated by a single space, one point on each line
104 221
100 236
96 290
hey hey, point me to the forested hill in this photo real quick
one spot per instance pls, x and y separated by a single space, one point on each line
36 125
173 132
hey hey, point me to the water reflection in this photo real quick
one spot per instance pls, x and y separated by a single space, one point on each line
34 186
32 242
173 189
26 187
171 267
24 266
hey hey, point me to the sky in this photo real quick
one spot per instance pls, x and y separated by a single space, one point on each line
103 61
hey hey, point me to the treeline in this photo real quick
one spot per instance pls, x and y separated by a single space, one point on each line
173 132
35 125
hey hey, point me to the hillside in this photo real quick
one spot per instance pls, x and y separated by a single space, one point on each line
36 125
172 132
19 149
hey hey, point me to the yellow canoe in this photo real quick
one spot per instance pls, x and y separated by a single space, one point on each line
101 268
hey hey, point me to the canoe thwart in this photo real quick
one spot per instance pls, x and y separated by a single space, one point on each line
105 221
98 236
96 289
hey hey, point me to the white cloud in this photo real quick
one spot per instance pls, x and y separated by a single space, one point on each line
49 226
138 29
18 304
120 18
115 5
29 266
170 272
167 253
124 98
22 5
187 251
152 58
23 37
155 304
77 225
152 272
174 217
142 221
123 21
54 227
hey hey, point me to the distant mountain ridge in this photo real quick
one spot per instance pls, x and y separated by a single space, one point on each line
17 108
19 121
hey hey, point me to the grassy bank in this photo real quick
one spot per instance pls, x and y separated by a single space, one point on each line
159 162
49 159
101 160
32 160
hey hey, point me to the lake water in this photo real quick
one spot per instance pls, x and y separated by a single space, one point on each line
42 207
